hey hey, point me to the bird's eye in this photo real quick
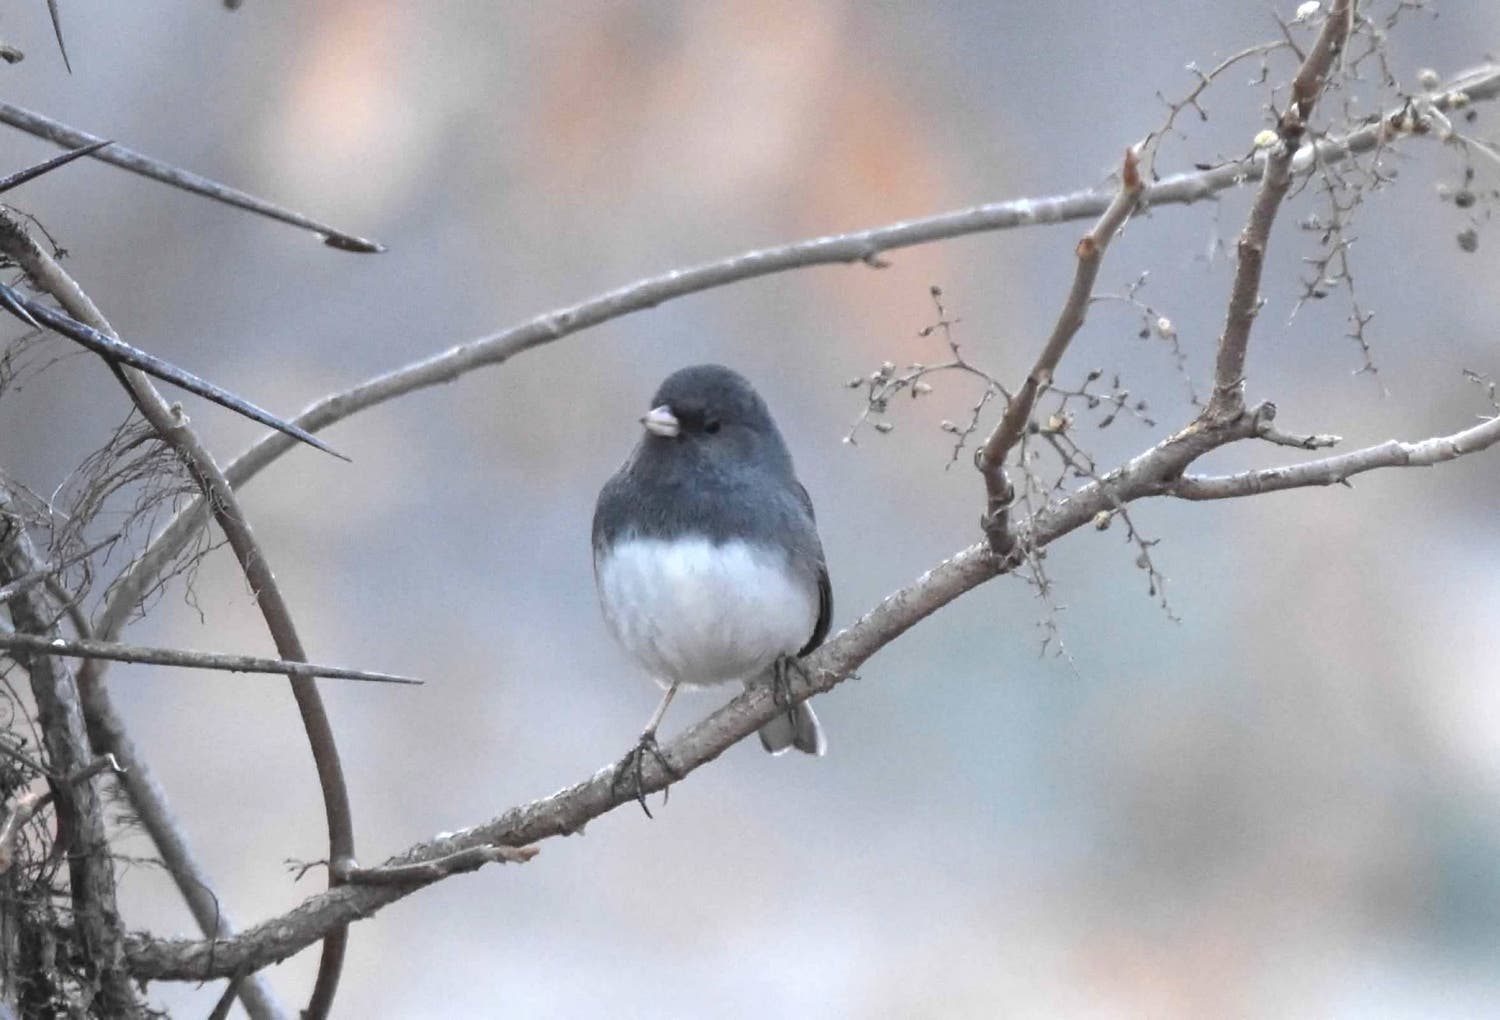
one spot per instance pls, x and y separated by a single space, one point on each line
711 426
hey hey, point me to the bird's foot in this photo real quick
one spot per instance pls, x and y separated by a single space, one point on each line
781 679
633 765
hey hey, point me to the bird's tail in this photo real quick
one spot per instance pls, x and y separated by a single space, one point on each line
796 727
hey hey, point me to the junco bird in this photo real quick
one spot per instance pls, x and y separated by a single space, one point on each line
706 554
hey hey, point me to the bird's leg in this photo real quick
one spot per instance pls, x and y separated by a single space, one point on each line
781 678
634 760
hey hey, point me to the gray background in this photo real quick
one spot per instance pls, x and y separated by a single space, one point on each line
1283 805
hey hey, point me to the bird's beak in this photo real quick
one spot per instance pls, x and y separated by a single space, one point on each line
660 421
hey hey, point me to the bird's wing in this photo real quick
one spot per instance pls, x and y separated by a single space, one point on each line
825 586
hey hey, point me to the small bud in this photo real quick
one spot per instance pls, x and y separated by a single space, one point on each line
854 384
919 388
1265 139
887 367
883 427
1456 100
1095 373
1102 519
1463 198
948 426
1428 78
1057 423
1306 10
1165 328
1468 240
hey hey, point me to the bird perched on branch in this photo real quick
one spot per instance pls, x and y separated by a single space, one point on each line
706 553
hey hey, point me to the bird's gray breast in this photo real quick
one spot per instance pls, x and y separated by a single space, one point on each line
694 611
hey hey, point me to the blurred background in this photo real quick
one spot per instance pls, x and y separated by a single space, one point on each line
1283 805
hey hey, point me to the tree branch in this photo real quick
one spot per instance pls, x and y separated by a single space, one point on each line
1337 470
1000 494
86 649
135 162
1228 397
116 351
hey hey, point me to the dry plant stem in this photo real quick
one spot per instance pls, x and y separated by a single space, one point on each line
1244 298
48 275
135 162
1000 494
80 816
87 649
1478 84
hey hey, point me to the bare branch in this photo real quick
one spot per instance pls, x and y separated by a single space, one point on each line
135 162
57 30
1244 298
84 649
991 457
37 169
457 863
1337 470
36 313
1316 441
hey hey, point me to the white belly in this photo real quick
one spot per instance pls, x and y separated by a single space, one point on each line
696 613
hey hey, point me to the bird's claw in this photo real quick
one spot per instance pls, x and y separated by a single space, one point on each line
781 685
633 765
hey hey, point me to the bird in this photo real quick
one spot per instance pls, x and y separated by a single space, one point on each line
707 558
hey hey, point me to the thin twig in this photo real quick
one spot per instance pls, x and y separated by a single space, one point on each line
38 313
1228 398
128 159
36 170
999 493
57 30
82 649
1339 469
